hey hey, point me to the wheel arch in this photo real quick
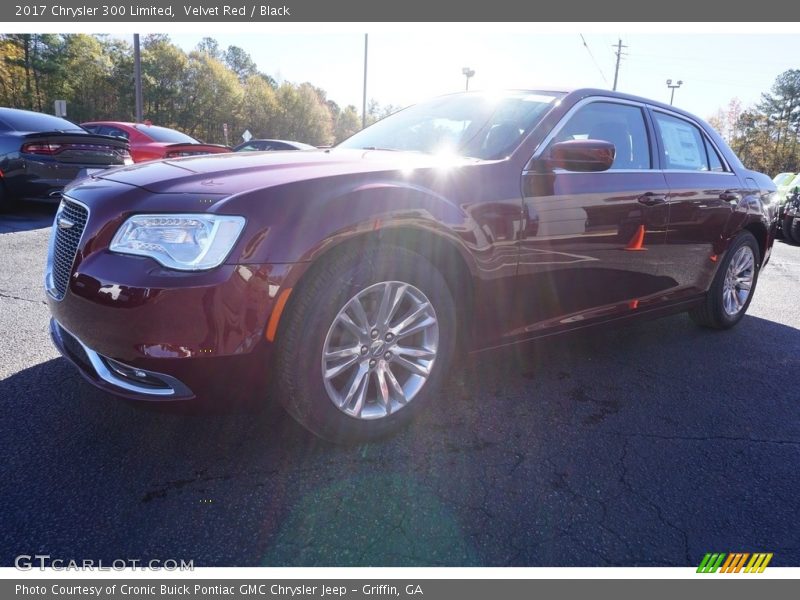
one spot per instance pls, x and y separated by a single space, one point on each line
446 255
759 231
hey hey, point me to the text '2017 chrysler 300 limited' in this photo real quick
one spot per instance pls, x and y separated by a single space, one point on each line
345 280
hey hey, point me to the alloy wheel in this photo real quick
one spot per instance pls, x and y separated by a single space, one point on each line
738 281
379 350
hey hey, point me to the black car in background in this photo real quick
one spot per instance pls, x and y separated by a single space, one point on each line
40 154
790 217
262 145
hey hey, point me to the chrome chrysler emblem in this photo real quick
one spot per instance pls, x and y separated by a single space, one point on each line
64 223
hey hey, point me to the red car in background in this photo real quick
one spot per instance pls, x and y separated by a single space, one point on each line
151 142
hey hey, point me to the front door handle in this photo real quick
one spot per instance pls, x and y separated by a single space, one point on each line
652 199
729 196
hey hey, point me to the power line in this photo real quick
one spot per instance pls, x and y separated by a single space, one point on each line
585 45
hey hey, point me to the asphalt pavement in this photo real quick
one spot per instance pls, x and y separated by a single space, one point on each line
647 445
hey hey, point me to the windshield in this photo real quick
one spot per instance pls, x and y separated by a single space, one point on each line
475 125
162 134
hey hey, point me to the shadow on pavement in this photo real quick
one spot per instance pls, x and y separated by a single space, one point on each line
648 445
27 216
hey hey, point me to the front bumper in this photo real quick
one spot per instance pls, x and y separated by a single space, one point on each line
145 333
116 377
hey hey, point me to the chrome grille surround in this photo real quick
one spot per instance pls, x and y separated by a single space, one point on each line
65 238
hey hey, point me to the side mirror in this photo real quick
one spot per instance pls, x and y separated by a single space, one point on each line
581 155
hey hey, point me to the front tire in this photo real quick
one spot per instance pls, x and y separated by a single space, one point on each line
793 230
732 290
366 341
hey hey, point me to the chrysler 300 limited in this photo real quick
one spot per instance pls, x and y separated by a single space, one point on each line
343 282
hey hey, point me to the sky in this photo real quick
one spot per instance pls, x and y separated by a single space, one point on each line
414 63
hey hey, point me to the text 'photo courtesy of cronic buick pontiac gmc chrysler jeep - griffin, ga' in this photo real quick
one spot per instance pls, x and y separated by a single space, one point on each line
343 282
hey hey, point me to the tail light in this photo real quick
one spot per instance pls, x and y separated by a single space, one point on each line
126 157
38 148
179 153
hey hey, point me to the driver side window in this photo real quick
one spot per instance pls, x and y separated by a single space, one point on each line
621 124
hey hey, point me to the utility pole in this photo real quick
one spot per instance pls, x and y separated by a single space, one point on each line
619 54
364 99
137 76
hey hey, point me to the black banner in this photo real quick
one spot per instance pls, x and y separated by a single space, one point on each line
99 11
405 589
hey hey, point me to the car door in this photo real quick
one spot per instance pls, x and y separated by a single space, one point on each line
703 195
593 241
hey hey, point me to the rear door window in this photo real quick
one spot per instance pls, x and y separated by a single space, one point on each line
685 147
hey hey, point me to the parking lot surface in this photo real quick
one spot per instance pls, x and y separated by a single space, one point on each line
647 445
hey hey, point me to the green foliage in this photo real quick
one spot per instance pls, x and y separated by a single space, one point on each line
195 92
766 136
347 123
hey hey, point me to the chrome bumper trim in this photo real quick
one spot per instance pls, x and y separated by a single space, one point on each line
176 388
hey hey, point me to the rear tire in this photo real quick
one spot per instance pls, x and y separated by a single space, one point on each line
380 391
789 230
732 290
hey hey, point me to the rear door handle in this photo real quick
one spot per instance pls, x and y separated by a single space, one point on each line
729 196
652 199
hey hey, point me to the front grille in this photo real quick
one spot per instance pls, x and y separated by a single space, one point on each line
66 242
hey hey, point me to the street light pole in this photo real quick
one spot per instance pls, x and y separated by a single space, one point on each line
467 72
137 77
364 99
672 87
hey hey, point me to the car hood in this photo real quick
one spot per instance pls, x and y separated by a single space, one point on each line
234 173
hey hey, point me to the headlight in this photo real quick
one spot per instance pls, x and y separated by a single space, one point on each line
188 242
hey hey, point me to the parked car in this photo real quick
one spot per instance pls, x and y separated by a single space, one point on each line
790 217
264 145
347 281
783 178
40 154
785 191
151 142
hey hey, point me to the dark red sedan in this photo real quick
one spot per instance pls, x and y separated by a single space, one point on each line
151 142
343 282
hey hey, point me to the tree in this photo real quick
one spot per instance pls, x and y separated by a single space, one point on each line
781 107
347 123
240 63
211 47
212 96
302 116
196 92
163 80
12 72
259 107
766 137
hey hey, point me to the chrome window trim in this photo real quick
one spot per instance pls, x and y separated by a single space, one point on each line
642 105
698 172
48 271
